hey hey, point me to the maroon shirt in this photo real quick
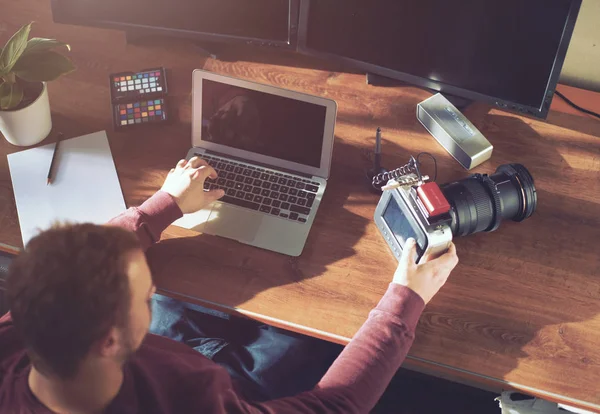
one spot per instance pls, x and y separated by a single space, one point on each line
165 376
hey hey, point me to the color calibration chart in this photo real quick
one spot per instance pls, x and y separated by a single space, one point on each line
144 82
139 97
141 112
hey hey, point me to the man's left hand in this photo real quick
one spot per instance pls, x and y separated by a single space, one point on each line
185 183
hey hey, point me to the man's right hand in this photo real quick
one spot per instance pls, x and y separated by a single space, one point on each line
428 277
185 183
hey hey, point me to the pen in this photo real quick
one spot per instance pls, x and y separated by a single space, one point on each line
60 135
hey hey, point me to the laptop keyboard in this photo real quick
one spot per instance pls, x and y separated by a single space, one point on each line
261 189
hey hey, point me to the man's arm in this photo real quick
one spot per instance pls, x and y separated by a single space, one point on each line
363 370
182 192
149 220
359 376
361 373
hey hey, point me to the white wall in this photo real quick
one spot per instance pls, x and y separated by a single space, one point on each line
582 64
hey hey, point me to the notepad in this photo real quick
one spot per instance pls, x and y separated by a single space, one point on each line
85 187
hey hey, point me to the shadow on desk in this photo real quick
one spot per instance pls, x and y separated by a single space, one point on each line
497 312
523 304
528 315
219 271
512 135
520 296
574 122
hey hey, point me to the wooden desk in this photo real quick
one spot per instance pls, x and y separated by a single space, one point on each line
520 311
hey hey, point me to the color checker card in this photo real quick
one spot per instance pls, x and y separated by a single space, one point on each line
142 112
137 85
139 97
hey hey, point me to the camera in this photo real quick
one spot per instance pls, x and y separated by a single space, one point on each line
433 215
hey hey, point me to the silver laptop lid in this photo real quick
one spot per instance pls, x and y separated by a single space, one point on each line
263 123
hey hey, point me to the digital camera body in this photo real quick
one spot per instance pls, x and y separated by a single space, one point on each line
432 215
404 212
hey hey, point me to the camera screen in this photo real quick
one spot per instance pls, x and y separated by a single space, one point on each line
403 226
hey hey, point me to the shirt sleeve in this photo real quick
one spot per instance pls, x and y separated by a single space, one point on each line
363 370
150 219
6 318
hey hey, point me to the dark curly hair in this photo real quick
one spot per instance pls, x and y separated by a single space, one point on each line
67 289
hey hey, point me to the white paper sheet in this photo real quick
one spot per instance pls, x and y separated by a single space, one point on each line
85 187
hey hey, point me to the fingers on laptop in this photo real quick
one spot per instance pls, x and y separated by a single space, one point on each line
197 168
195 165
203 172
196 162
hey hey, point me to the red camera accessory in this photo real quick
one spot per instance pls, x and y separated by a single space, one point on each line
433 199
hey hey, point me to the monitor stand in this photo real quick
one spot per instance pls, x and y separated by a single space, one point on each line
213 50
378 80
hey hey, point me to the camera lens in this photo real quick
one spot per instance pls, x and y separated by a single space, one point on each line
480 202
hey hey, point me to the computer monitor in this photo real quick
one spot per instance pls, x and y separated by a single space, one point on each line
508 53
260 22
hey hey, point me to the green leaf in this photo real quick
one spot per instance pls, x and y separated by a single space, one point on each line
11 95
14 48
39 44
42 66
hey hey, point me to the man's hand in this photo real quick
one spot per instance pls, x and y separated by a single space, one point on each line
426 278
185 183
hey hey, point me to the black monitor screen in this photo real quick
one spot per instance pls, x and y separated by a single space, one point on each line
503 49
263 123
257 19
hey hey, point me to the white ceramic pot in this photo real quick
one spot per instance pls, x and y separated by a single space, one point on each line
29 125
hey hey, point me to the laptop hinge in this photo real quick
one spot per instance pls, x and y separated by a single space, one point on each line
220 154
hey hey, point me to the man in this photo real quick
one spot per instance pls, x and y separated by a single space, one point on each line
76 339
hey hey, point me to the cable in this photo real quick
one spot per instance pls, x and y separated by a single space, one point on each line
574 105
412 166
379 176
434 163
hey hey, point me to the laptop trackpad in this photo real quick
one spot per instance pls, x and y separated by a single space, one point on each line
233 222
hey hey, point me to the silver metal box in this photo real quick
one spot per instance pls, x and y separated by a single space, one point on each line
454 131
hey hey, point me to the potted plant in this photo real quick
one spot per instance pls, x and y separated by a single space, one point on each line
25 67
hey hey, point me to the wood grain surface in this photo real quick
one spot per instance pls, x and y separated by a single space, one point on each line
521 310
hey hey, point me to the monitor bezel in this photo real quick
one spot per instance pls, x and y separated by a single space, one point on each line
538 112
60 15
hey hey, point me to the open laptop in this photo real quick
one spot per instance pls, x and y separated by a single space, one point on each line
272 150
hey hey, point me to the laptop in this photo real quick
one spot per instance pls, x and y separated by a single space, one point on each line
271 148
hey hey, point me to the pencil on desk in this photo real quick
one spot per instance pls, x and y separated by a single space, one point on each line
50 176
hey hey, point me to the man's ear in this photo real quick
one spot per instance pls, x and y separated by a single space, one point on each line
109 346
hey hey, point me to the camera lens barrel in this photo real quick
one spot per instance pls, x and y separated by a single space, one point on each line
522 181
480 202
472 207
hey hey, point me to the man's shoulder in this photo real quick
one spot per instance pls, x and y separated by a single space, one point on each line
5 319
14 367
11 345
165 375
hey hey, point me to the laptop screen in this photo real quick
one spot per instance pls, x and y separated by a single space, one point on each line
263 123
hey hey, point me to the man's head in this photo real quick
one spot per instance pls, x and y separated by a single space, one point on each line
80 293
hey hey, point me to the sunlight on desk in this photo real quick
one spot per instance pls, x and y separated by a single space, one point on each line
522 304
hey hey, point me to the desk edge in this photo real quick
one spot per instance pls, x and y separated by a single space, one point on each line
413 363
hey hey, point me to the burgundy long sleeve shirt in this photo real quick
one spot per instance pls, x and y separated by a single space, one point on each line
168 377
